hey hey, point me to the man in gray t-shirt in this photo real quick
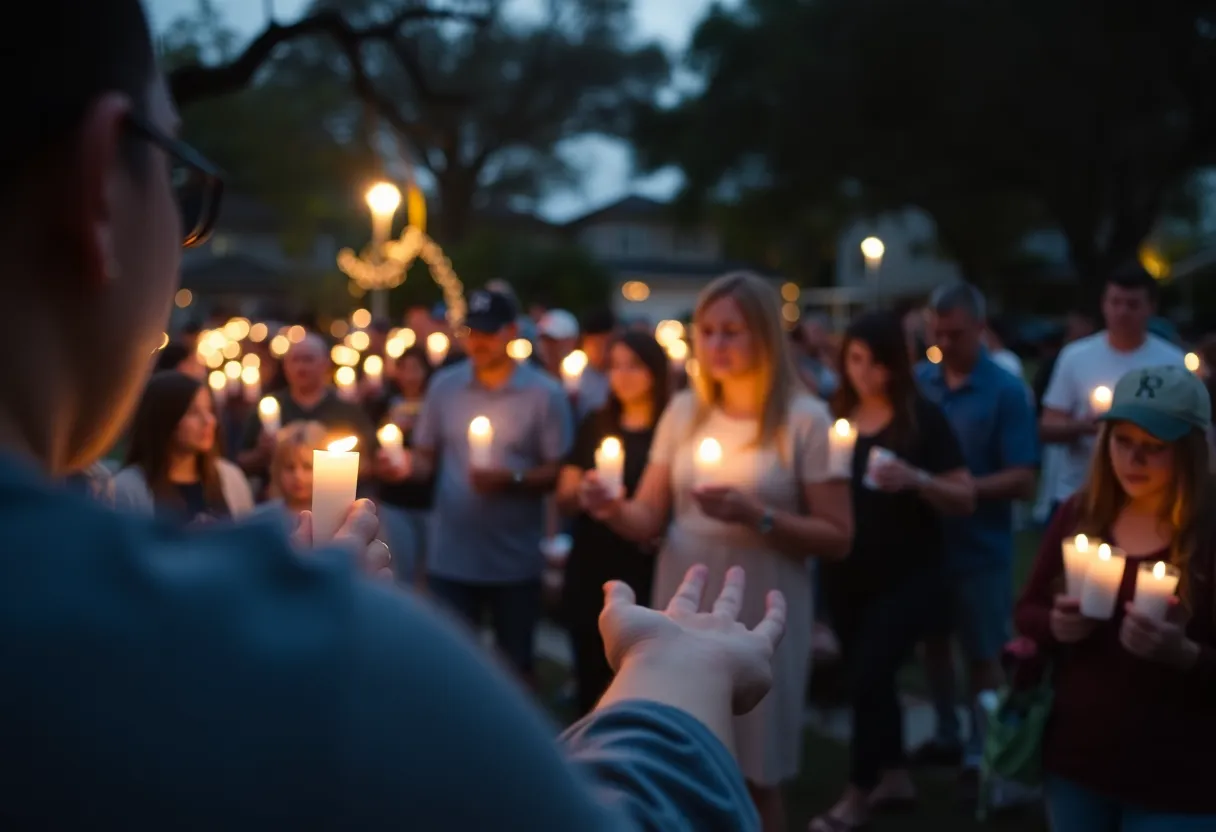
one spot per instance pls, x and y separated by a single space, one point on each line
484 553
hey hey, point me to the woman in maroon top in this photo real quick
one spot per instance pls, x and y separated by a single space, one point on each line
1133 727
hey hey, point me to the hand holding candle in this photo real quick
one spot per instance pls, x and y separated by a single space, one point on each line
1102 581
393 443
335 476
1156 584
610 466
481 443
268 413
842 439
707 465
1078 554
572 371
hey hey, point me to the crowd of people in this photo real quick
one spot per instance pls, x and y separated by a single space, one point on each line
182 654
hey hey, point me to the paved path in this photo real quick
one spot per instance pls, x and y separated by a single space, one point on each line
552 644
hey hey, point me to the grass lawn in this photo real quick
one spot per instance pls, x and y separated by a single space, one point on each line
825 762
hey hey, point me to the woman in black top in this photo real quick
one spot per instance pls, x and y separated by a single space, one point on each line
638 382
412 498
880 596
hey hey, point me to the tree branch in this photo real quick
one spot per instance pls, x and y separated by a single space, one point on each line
194 82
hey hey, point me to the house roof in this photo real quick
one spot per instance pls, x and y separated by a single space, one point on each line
630 208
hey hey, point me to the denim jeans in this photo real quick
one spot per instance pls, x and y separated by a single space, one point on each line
1073 808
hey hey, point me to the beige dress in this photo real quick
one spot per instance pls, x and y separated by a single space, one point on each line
769 739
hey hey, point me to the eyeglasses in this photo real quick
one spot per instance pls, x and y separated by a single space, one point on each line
196 182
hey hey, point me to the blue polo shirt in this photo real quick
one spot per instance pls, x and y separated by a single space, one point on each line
491 539
996 428
212 678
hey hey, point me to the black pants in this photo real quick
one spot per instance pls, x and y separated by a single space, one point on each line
514 611
878 631
582 601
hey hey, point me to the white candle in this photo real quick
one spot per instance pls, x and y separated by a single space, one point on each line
373 371
1102 581
708 462
878 457
268 412
572 370
335 476
677 354
481 443
346 378
1100 399
1156 584
1078 554
251 378
842 439
437 346
233 370
392 442
610 466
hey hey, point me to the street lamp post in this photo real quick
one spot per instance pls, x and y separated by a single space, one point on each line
873 249
383 198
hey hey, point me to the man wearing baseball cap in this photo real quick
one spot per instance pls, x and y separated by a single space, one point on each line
1167 402
484 554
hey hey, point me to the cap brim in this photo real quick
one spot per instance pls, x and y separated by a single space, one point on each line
486 326
1159 425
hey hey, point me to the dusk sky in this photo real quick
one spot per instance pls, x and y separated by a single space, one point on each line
605 163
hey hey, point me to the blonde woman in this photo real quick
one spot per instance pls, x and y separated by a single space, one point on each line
769 507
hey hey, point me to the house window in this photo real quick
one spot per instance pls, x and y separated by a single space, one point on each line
634 240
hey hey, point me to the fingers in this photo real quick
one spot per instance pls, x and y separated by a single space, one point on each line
730 600
303 533
378 558
360 528
687 599
772 626
618 593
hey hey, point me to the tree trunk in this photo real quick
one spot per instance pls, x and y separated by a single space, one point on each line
457 188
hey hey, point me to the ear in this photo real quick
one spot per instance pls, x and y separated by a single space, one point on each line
99 173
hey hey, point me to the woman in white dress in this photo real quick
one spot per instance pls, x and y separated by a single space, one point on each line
769 506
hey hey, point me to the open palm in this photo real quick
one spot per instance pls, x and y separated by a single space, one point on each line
716 637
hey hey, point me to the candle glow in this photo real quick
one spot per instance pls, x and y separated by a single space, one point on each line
572 370
335 477
481 442
1100 399
610 465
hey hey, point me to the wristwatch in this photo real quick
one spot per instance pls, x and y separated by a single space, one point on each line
768 521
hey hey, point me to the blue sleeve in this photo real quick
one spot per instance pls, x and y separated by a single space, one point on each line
1019 430
436 737
662 768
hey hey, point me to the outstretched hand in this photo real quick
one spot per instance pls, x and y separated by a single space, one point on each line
714 639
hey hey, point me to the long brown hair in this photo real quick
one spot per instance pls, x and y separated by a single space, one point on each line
654 358
778 380
1188 509
882 333
166 399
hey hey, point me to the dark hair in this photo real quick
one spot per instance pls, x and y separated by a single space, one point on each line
882 333
171 357
165 401
419 352
654 357
81 50
1133 276
601 321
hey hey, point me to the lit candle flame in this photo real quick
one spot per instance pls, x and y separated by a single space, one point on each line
843 428
1104 552
269 406
390 434
480 426
611 447
710 451
1159 571
373 366
1102 396
574 364
343 446
677 350
1082 543
1192 362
